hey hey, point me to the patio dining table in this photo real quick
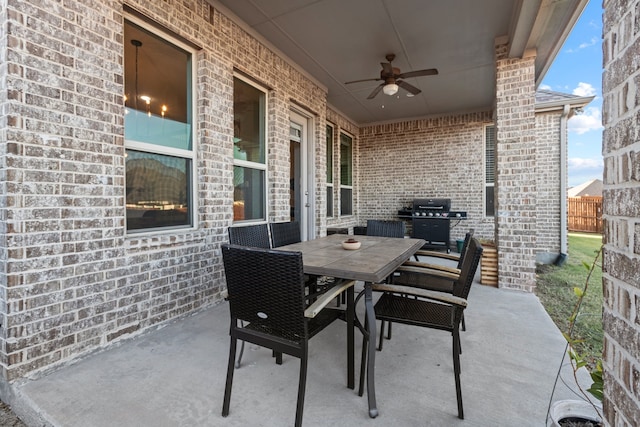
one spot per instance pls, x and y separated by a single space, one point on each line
374 261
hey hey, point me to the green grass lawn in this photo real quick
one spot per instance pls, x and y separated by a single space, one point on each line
555 290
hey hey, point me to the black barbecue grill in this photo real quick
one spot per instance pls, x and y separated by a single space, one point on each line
430 220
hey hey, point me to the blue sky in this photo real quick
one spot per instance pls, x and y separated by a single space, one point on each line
577 69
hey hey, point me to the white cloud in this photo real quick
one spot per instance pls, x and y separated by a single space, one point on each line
584 89
545 87
578 163
584 45
584 169
591 42
586 121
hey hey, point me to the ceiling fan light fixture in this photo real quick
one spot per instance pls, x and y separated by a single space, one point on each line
390 89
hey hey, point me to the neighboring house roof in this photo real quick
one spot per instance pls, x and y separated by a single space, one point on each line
547 100
590 188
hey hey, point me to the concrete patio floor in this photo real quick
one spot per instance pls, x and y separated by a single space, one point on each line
175 375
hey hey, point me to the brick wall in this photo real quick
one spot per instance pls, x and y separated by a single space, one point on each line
516 201
439 157
548 179
73 281
621 206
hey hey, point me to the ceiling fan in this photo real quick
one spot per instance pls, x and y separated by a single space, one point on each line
392 79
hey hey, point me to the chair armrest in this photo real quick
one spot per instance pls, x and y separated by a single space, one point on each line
437 254
433 266
429 272
326 297
422 293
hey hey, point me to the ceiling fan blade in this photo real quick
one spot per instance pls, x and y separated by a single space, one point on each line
418 73
363 80
409 88
387 68
375 91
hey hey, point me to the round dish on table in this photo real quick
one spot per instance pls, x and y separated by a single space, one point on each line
351 244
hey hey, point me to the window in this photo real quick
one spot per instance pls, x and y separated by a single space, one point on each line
346 175
490 170
250 167
158 128
329 171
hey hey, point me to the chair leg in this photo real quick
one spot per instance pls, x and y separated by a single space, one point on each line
229 383
240 355
464 326
363 360
381 335
239 360
456 371
301 387
389 331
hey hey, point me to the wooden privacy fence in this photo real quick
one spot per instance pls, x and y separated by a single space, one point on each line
585 214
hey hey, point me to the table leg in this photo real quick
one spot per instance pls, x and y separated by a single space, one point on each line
350 339
371 359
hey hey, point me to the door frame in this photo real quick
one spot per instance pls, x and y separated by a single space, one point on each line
307 196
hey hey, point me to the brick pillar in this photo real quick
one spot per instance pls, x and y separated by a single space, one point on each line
621 211
515 171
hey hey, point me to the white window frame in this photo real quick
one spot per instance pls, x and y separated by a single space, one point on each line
255 165
169 151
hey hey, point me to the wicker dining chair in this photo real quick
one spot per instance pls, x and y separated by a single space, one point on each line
284 233
402 302
447 256
384 228
434 283
287 233
431 282
255 236
266 294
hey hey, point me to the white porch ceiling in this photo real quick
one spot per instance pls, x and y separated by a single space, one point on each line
336 41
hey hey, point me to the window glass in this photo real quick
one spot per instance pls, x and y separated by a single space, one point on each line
248 196
345 160
330 201
329 154
157 190
248 122
329 134
490 154
158 131
345 201
490 169
489 205
249 172
346 175
157 88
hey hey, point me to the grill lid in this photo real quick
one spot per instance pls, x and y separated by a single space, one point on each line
441 205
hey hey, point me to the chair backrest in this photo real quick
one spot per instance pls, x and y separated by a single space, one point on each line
266 289
465 245
385 228
255 236
284 233
468 269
